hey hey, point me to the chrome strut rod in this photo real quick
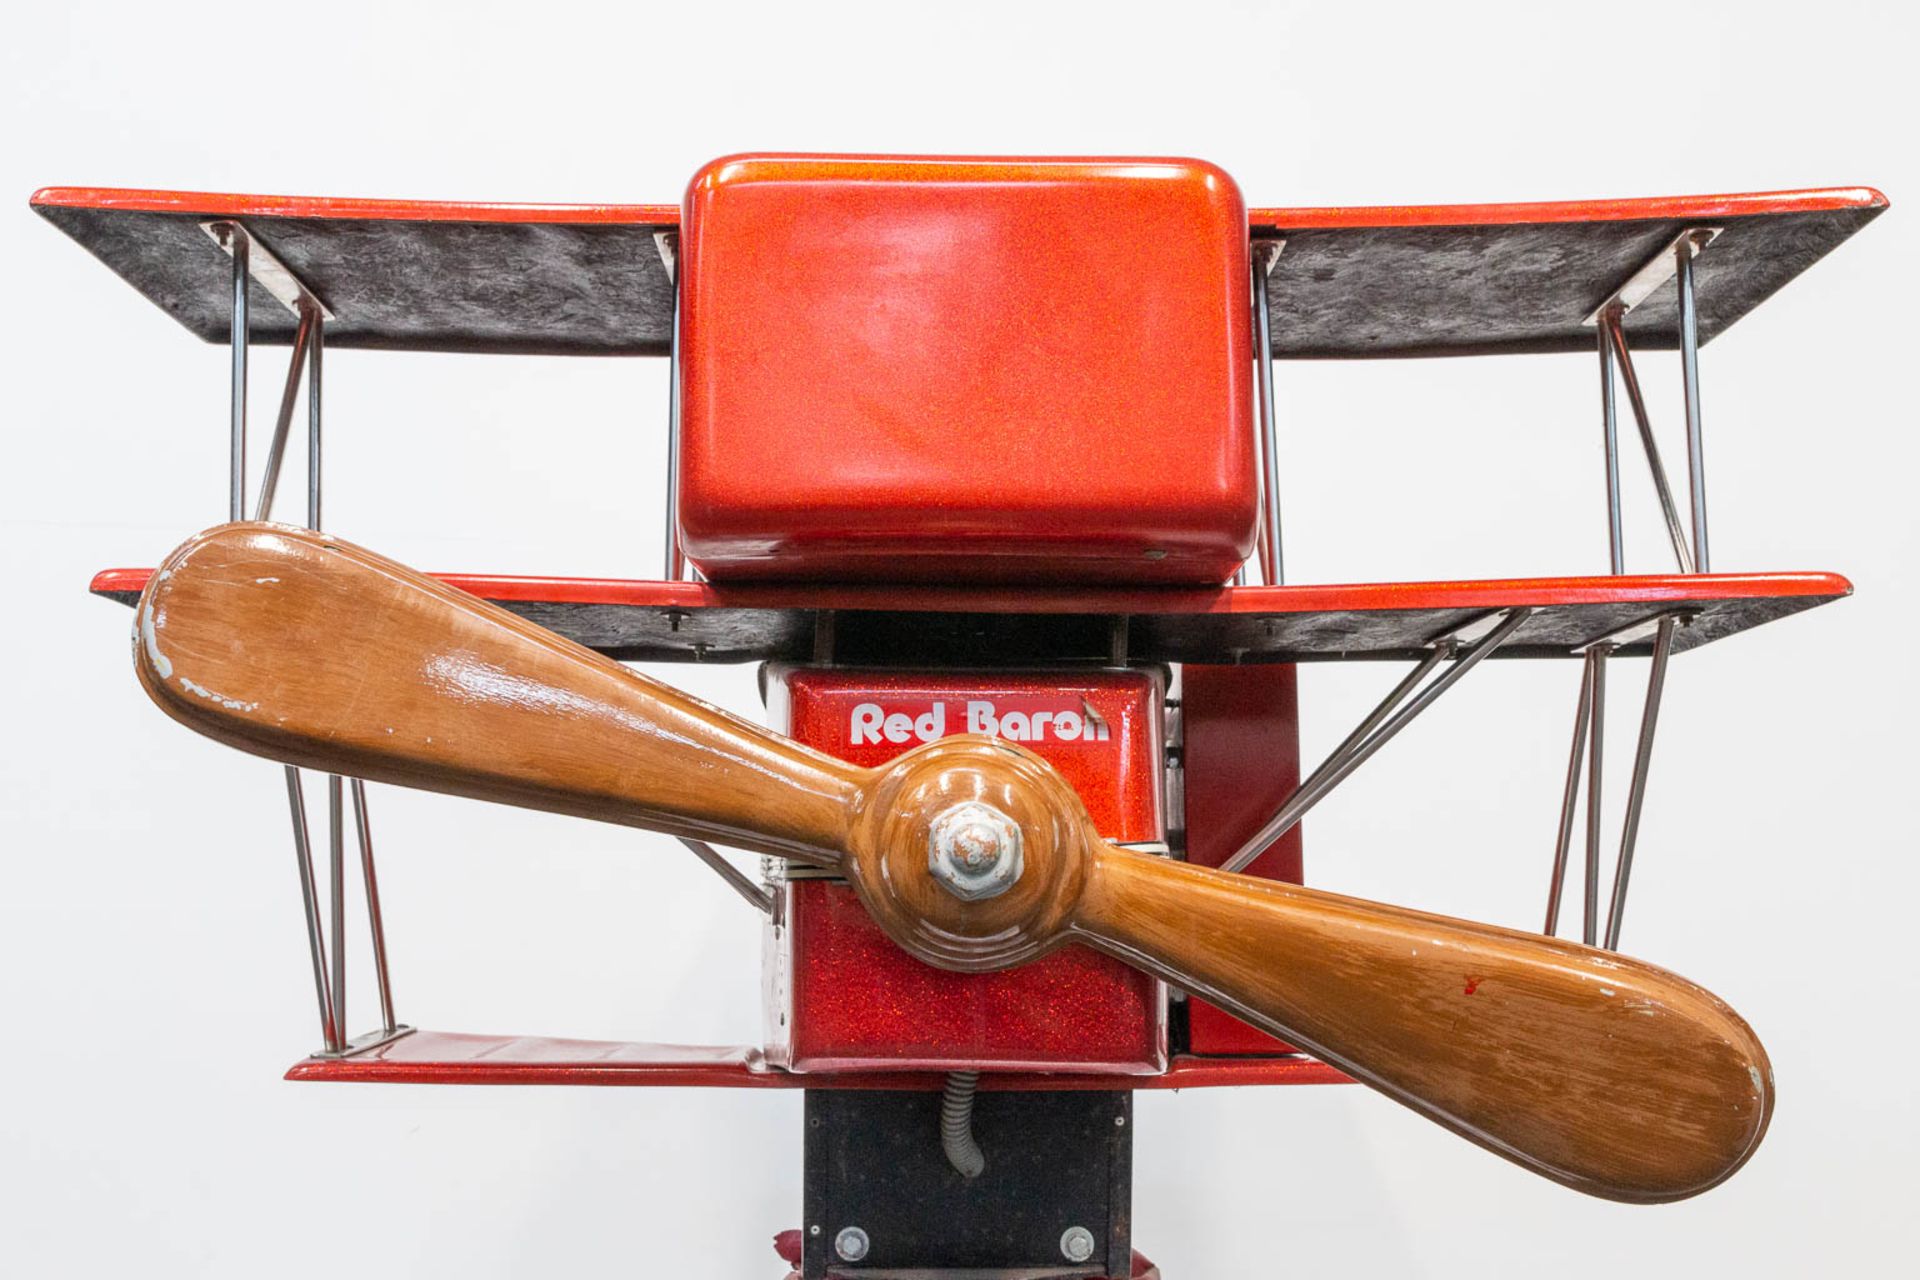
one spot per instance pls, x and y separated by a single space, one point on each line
1596 756
1610 324
1266 254
1570 798
1690 393
736 879
1637 789
283 423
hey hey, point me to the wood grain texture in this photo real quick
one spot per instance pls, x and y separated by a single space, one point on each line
312 651
1596 1070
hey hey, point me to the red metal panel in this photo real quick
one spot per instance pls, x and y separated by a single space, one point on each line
998 370
439 1057
1241 728
843 997
1101 729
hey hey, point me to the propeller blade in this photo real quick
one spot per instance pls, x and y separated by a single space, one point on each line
1599 1071
312 651
1596 1070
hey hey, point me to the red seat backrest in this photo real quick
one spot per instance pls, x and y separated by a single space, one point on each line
966 370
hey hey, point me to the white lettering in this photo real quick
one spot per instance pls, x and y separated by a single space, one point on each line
872 724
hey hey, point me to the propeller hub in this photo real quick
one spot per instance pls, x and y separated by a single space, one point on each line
974 851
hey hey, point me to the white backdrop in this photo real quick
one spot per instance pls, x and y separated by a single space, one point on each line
153 981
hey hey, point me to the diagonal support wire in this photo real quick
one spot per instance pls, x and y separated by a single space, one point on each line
1389 718
283 424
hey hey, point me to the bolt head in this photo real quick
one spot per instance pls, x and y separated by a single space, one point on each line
974 851
852 1244
1076 1244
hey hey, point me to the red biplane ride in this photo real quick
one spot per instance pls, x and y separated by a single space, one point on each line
978 457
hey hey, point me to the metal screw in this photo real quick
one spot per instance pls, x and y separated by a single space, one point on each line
1076 1244
851 1244
974 851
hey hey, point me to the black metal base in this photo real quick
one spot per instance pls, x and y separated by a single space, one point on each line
1055 1161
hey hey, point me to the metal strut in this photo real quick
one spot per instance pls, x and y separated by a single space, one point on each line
1610 324
1690 392
1610 436
737 880
675 567
254 263
283 423
1570 797
1266 255
1589 730
1637 790
1589 739
1676 260
1596 759
1382 723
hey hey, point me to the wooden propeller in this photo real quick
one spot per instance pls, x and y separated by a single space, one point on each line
1604 1073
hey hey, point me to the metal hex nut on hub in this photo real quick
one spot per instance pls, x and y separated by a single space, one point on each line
974 851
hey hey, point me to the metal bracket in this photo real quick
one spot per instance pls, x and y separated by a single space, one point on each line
273 275
1472 631
1635 632
667 244
1654 272
364 1043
